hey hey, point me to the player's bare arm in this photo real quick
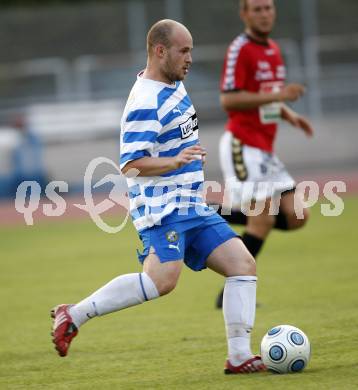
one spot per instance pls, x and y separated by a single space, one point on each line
154 166
245 100
296 120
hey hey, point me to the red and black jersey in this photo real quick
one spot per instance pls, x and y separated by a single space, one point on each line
253 67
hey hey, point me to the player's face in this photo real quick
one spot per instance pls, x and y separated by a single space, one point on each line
259 16
178 59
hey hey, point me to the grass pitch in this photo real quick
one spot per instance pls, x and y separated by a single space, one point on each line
307 278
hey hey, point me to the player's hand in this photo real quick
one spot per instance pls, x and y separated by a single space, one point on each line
187 155
291 92
297 120
305 125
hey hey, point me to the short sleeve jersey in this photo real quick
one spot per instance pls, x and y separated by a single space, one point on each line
159 120
253 67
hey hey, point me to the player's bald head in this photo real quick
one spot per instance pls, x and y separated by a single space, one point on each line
244 4
162 32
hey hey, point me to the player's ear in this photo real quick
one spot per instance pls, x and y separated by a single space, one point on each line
160 50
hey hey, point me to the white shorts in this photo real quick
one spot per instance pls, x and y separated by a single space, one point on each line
251 173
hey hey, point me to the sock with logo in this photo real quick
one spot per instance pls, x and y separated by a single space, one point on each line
239 307
120 293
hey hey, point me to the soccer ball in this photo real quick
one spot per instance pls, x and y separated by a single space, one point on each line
285 349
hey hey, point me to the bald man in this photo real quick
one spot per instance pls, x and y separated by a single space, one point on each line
163 161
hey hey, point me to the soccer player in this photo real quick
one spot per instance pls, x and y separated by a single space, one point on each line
159 142
253 93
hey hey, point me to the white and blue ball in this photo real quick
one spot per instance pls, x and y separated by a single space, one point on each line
285 349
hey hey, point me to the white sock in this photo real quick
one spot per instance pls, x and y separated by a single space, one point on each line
121 292
239 305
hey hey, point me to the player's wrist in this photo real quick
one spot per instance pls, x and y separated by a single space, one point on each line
174 163
279 97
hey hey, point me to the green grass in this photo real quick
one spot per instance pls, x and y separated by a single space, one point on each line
307 278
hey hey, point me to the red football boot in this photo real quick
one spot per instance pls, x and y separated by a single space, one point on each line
63 329
254 364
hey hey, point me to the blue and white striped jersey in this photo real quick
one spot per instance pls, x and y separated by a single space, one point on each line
159 120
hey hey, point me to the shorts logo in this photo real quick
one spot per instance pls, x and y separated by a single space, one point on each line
172 236
187 128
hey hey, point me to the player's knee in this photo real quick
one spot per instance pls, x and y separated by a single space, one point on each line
246 265
166 281
164 287
163 274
